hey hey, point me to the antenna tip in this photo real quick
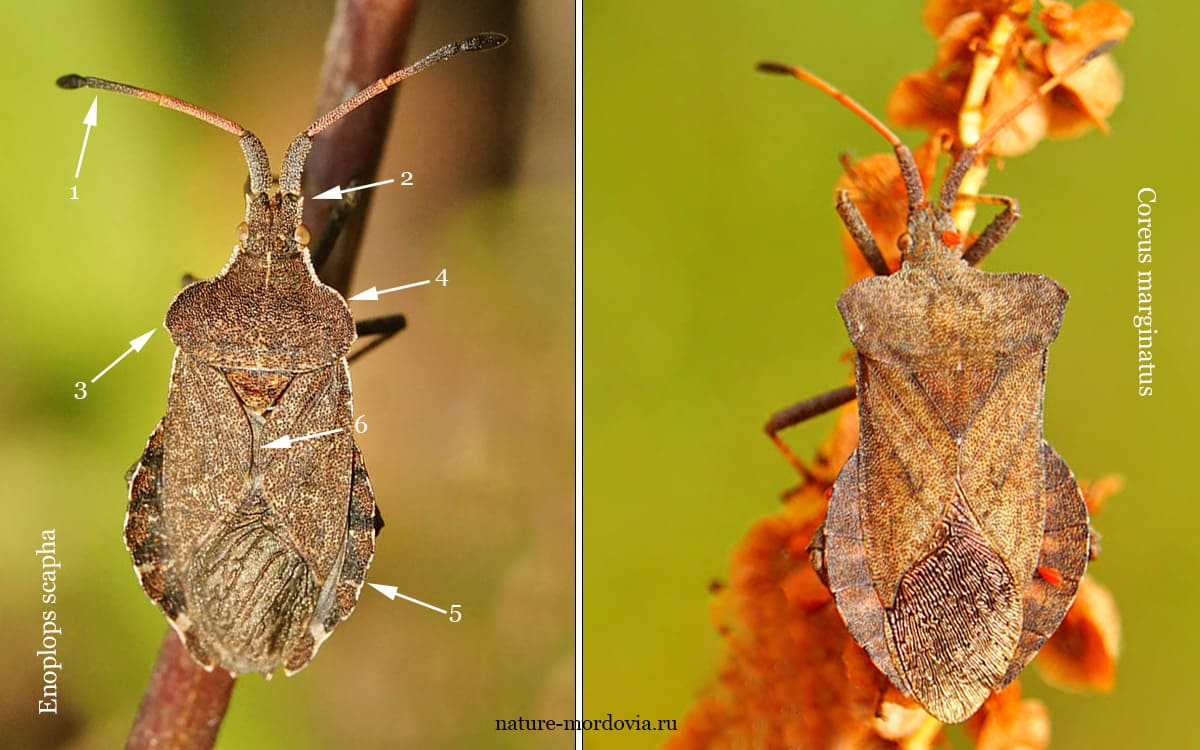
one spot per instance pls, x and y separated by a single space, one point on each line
71 81
487 40
1101 49
773 67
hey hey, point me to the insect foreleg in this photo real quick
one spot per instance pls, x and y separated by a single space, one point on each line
996 230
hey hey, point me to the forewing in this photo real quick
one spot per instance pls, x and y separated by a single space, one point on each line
956 620
189 480
341 594
1002 468
206 453
308 484
1064 550
155 559
850 576
952 608
906 464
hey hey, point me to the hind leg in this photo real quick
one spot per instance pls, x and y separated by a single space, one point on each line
802 412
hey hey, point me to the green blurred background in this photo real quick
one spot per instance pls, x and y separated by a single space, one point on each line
470 444
711 272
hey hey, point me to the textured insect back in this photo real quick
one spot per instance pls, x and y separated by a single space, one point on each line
793 674
938 523
255 548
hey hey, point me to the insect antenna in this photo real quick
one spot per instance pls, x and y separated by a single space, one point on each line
471 44
297 153
73 81
908 166
959 170
256 155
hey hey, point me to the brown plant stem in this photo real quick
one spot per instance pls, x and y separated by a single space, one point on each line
183 705
366 42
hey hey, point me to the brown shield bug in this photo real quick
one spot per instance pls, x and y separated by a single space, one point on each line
955 536
255 548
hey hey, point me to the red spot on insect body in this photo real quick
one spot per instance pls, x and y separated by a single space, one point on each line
951 239
1050 575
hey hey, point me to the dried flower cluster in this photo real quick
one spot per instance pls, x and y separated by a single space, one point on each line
792 676
989 58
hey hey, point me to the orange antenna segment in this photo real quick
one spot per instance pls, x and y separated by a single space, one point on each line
472 44
959 169
908 166
828 88
1042 90
162 100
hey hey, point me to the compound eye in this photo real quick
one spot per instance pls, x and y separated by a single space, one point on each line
302 235
904 242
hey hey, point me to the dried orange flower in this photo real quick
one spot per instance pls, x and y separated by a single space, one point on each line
1090 95
1082 653
792 676
989 58
939 15
1097 491
1006 722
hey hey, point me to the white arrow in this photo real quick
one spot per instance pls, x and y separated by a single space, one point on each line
335 193
372 294
287 440
90 121
134 346
391 593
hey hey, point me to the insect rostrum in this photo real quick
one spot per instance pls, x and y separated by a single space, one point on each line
255 554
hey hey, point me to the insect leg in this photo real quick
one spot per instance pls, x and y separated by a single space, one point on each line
802 412
338 218
384 327
816 554
995 231
861 233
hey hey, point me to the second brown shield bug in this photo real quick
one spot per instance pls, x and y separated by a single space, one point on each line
955 536
255 548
